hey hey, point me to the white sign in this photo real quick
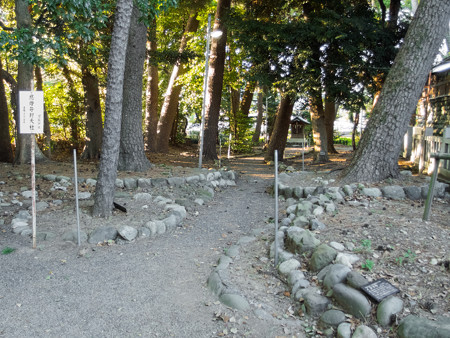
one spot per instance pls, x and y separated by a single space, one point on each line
31 112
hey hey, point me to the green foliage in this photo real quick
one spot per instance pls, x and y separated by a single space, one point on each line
407 255
7 250
368 265
346 141
366 246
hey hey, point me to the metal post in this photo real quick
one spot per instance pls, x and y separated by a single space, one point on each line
205 90
276 207
430 195
220 151
229 146
33 190
76 195
303 152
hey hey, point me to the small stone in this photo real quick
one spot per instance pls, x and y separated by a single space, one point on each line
363 331
84 195
356 280
128 233
322 256
331 318
336 274
337 246
315 304
286 267
387 309
351 300
344 330
346 259
418 327
234 301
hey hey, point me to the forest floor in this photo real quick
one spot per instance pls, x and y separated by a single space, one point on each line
157 287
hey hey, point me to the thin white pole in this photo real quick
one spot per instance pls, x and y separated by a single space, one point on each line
229 146
205 89
33 190
220 151
76 195
303 153
276 207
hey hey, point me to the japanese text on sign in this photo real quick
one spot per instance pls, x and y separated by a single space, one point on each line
31 112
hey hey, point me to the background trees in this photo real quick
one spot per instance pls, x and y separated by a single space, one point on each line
312 55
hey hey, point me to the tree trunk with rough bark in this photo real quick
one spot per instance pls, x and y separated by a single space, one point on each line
6 153
172 97
104 192
94 123
24 82
279 135
318 128
132 154
330 117
259 118
215 82
152 94
377 155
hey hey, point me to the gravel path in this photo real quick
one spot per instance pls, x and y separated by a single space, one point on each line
151 288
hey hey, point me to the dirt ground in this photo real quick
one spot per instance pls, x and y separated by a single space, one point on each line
411 254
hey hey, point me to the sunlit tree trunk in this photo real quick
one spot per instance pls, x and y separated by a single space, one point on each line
215 82
104 192
152 94
132 155
172 97
377 155
319 129
278 138
6 154
259 118
330 117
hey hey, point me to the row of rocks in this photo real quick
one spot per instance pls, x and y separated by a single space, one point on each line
173 211
395 192
331 266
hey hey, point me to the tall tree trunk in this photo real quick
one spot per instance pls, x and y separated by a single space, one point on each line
215 82
247 99
259 118
24 82
152 94
235 98
330 117
394 9
6 154
132 155
104 191
355 128
94 123
47 131
318 128
172 97
377 155
278 138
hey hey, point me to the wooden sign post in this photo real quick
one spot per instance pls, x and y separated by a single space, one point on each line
31 112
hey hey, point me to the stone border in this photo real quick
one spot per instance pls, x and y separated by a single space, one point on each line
207 181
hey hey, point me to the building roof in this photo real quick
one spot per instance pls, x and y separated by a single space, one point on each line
298 119
443 66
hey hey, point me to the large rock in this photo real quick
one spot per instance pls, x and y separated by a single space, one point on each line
413 193
300 240
356 280
234 301
322 256
387 309
417 327
344 330
315 304
371 192
395 192
331 318
287 266
335 275
128 233
351 300
363 331
102 234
